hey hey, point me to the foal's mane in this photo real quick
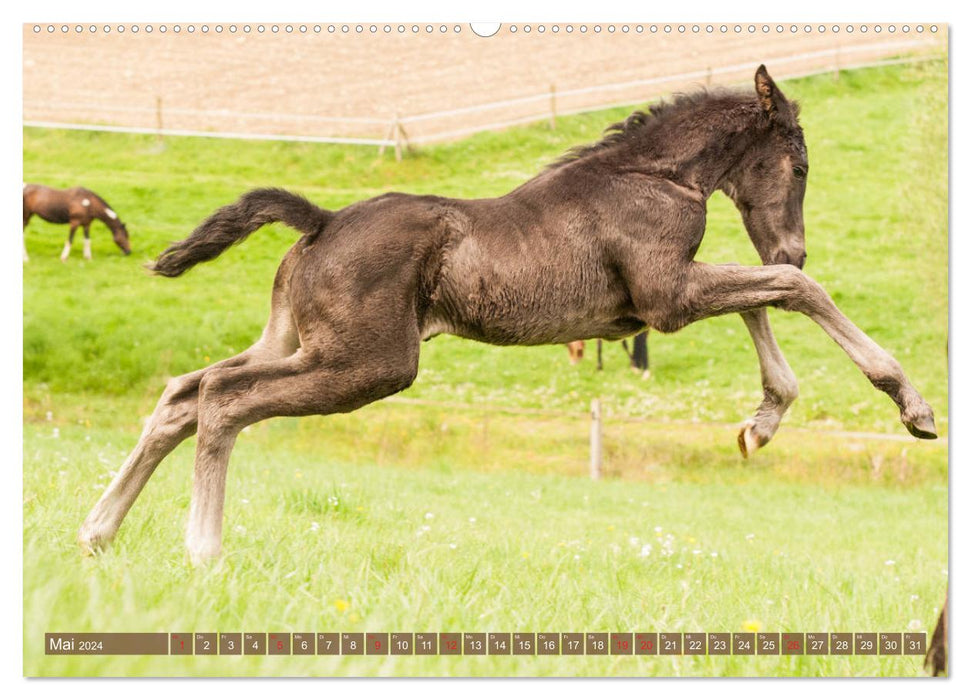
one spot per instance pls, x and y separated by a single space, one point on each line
640 124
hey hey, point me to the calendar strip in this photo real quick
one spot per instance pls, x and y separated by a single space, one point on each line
487 643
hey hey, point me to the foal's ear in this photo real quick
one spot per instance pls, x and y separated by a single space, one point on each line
769 95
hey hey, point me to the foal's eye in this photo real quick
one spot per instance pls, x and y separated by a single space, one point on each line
799 171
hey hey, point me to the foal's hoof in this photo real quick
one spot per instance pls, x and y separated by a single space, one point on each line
748 440
91 542
922 427
202 551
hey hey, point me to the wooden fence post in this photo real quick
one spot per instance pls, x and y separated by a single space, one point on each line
392 130
596 440
553 105
402 136
158 121
397 138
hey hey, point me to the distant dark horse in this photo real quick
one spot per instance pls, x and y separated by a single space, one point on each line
638 356
77 207
936 659
601 244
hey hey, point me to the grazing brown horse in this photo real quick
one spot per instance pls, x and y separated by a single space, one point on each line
77 207
601 244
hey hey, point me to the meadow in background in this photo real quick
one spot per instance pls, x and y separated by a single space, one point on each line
417 516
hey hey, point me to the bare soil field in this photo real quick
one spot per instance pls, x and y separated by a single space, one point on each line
352 83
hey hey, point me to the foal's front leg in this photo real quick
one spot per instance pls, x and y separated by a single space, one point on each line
779 386
713 290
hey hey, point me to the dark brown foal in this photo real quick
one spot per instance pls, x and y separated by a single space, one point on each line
599 245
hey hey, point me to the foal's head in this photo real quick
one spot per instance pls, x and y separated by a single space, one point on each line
769 182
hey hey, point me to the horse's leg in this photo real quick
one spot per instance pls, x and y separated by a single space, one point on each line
335 377
713 290
27 216
779 386
87 241
67 244
175 419
936 659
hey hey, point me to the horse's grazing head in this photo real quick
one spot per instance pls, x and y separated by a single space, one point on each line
769 183
120 233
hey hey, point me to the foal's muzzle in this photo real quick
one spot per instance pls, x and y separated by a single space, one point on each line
784 257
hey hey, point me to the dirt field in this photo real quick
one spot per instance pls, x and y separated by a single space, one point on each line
309 83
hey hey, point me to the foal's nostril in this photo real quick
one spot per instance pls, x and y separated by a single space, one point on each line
784 257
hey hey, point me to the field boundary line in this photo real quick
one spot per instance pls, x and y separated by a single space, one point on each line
621 418
485 107
689 75
542 116
210 134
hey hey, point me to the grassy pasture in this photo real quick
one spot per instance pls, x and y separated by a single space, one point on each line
406 516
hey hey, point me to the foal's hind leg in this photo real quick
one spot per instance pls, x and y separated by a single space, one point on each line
779 386
336 380
175 418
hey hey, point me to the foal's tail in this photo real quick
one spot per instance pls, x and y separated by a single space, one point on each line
234 222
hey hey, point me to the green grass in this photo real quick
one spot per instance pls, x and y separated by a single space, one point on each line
325 516
315 544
